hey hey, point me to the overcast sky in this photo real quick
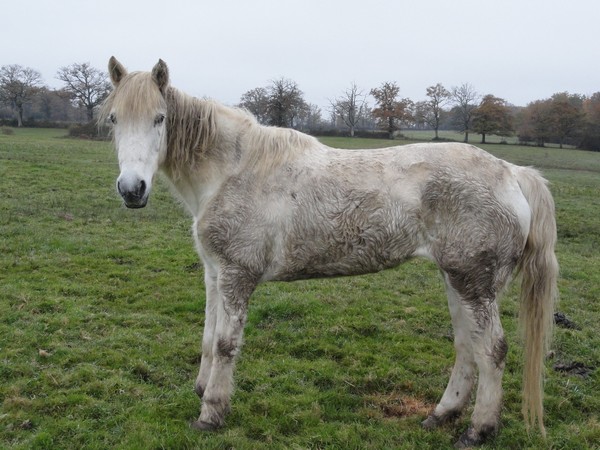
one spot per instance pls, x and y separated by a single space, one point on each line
520 50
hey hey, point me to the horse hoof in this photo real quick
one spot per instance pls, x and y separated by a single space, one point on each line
431 422
472 438
434 421
203 426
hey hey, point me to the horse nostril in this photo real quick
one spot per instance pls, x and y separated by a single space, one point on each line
142 188
137 189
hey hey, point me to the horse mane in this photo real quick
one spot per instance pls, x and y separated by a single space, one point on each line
272 147
191 130
198 127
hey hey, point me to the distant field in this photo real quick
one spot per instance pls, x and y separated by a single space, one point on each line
428 135
101 313
425 135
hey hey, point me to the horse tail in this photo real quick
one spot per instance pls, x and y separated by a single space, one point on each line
539 269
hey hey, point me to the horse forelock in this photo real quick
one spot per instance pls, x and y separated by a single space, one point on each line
136 98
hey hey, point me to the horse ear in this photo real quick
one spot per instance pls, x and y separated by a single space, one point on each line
116 71
160 75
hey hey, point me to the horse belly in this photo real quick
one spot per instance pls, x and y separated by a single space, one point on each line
346 244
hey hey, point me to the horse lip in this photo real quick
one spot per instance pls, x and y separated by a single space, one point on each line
134 201
136 204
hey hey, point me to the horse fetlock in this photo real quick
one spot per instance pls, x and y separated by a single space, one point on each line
203 375
201 383
203 426
199 388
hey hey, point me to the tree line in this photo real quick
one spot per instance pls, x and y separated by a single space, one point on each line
23 93
563 119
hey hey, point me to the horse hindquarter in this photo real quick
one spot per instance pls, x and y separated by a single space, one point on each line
477 237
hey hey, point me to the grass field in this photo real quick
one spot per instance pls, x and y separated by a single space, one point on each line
426 135
101 313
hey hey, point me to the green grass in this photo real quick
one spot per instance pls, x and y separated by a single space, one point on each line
101 312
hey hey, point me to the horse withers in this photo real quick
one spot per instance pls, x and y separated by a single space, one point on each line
274 204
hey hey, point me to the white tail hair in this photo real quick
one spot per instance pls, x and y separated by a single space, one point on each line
539 269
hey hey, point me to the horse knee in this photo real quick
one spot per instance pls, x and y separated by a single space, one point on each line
226 349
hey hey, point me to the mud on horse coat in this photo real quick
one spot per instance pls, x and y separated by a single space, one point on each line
274 204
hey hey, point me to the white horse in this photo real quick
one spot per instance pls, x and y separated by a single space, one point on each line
275 204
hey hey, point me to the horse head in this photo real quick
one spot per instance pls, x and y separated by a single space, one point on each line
137 110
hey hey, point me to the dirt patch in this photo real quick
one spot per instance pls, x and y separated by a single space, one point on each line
194 267
399 405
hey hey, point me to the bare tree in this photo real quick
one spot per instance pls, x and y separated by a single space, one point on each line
390 111
421 109
17 87
350 107
56 105
465 99
257 102
311 118
87 86
286 102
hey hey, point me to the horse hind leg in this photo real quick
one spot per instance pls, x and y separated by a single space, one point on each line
458 392
479 298
489 348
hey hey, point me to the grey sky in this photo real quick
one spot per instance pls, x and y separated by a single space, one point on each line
520 50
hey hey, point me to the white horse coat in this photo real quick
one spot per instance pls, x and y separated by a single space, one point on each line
273 204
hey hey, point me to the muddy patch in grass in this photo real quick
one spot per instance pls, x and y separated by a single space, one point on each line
396 405
564 322
574 368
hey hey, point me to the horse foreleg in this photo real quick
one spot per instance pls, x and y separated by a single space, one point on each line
460 385
234 289
210 322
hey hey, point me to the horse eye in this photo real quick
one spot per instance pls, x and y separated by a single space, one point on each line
159 119
113 118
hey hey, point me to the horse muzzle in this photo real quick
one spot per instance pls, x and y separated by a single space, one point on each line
134 191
